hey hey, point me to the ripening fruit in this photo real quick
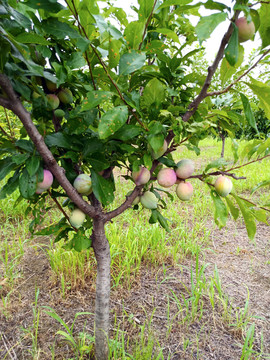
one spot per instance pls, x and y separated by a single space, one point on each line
53 101
51 85
83 184
35 95
77 218
185 168
149 200
184 191
223 185
59 113
161 151
166 177
46 183
65 96
142 176
245 30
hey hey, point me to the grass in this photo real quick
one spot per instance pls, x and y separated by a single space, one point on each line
194 300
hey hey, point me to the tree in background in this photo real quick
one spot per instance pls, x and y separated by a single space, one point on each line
96 93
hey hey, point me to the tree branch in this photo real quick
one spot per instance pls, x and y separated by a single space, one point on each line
16 106
211 71
214 93
147 23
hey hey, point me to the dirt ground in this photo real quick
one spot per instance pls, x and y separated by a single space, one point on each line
243 267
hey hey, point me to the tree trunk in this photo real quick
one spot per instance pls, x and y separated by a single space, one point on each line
102 309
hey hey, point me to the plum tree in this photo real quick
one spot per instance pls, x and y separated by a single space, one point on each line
139 96
77 218
184 191
246 30
142 176
166 177
223 185
83 184
184 168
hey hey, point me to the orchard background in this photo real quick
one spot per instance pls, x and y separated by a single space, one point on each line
134 178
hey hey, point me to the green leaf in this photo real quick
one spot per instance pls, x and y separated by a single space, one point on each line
133 34
263 92
232 49
10 186
32 165
76 61
114 52
156 141
207 25
260 215
27 184
103 189
127 132
94 98
20 158
54 228
248 217
261 184
226 70
163 221
31 38
49 5
168 33
221 212
233 210
167 3
145 9
216 164
6 166
26 145
60 140
130 62
154 92
81 241
154 217
264 28
248 112
111 121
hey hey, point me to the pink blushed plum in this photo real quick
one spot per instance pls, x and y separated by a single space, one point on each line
184 191
166 177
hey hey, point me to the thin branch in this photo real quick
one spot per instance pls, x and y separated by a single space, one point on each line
59 173
211 71
61 209
214 93
7 135
252 203
75 14
147 23
250 162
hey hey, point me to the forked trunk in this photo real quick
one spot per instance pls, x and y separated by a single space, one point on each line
102 309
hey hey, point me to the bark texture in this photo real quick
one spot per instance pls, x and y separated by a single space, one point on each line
102 309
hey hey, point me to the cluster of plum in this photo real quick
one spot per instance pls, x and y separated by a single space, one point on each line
167 177
54 96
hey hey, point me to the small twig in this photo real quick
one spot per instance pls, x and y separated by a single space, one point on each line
211 71
61 209
147 23
7 135
250 162
214 93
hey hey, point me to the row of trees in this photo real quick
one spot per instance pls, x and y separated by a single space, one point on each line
95 92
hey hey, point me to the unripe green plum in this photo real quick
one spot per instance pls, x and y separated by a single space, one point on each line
65 96
53 101
59 113
46 183
223 186
35 95
142 176
166 177
184 191
185 168
246 30
149 200
51 85
77 218
83 184
161 151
